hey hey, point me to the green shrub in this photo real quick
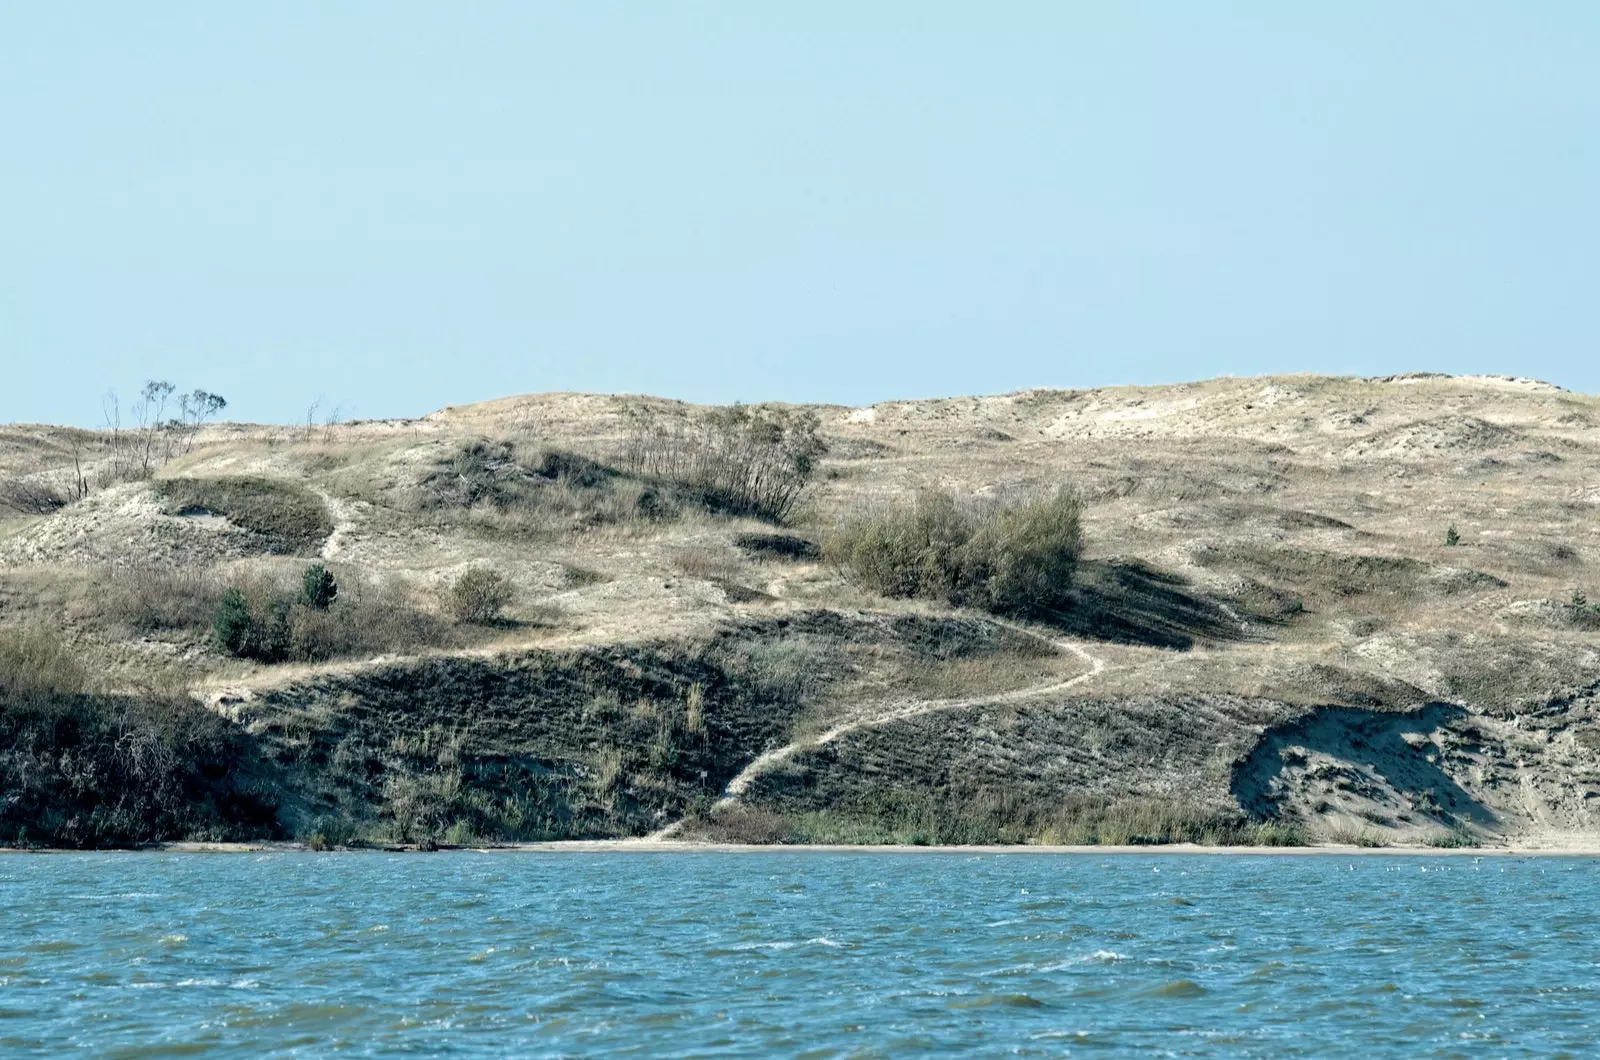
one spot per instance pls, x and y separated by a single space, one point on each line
1012 559
254 624
318 587
270 622
478 596
1452 536
286 517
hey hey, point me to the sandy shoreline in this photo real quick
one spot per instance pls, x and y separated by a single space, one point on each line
648 846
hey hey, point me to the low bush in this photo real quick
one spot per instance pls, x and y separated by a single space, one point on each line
270 621
553 492
148 599
288 518
1014 558
778 546
478 596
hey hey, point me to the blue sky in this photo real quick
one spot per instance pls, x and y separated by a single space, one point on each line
397 206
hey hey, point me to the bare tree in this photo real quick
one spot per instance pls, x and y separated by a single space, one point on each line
150 411
196 408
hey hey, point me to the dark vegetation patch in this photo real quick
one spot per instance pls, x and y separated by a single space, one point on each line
999 816
1129 769
80 768
779 546
599 742
552 491
287 518
1345 575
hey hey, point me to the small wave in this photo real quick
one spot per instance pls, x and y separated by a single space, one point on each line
822 940
1104 957
1177 988
1003 1000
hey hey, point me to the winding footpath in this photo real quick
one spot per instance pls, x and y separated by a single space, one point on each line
896 712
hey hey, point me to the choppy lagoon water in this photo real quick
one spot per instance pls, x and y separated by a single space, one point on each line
796 954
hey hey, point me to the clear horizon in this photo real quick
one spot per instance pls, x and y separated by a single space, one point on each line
393 207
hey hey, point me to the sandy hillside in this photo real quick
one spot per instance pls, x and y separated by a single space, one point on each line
1344 609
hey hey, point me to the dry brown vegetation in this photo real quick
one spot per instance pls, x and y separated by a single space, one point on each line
1328 608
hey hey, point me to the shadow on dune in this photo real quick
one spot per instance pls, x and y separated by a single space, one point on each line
1130 602
1371 745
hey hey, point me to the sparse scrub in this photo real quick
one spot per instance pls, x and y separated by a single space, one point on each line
736 460
478 596
889 817
37 495
148 599
1013 558
556 492
288 518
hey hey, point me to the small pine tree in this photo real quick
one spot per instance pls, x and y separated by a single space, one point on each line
231 623
1451 537
318 587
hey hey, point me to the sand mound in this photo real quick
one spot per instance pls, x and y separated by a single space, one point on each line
126 523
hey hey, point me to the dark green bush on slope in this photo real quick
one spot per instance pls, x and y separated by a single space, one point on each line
1013 558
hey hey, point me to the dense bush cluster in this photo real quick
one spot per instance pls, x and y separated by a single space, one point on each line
1015 558
737 460
478 596
268 621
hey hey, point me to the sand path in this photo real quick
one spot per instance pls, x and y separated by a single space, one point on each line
885 714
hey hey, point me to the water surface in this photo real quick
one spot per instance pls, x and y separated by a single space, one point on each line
788 954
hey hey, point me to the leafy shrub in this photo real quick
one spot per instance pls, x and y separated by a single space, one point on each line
1452 536
318 587
478 596
1013 559
270 622
287 518
736 460
254 624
